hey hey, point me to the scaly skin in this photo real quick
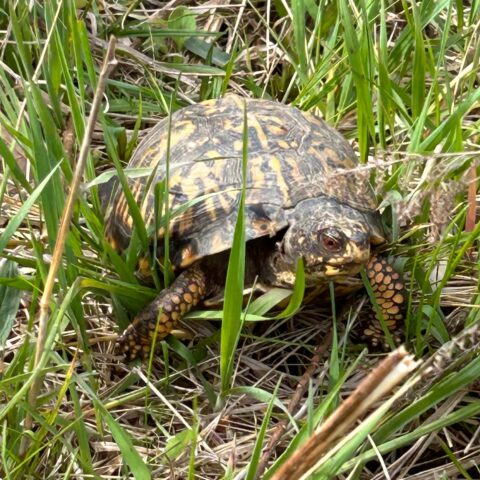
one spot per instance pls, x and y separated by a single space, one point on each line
389 292
163 313
200 280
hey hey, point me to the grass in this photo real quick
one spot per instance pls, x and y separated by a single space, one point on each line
399 79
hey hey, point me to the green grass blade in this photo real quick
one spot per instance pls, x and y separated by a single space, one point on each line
419 62
232 309
129 454
9 300
300 35
15 222
320 412
257 449
436 394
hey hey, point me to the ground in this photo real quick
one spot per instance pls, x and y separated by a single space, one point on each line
400 80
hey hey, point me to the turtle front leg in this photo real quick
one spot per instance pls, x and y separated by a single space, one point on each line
389 292
160 316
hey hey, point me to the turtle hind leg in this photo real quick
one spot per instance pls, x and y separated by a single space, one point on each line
160 316
389 292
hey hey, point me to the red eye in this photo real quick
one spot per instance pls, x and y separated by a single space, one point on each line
331 241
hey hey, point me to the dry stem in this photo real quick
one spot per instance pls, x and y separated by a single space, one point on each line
108 63
382 379
294 401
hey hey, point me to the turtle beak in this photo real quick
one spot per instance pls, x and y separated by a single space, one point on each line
343 269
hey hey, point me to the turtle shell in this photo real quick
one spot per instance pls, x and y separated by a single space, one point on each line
292 156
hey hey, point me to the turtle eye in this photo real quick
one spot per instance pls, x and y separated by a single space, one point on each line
331 240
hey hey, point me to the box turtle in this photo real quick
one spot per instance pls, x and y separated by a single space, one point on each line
305 197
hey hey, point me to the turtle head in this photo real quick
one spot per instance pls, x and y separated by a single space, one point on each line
333 239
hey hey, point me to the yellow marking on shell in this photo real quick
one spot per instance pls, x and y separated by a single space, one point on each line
218 244
313 152
253 122
181 224
238 145
136 188
211 101
211 154
191 186
276 167
276 130
236 100
121 207
211 208
333 154
155 152
175 180
211 110
283 144
228 125
226 201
